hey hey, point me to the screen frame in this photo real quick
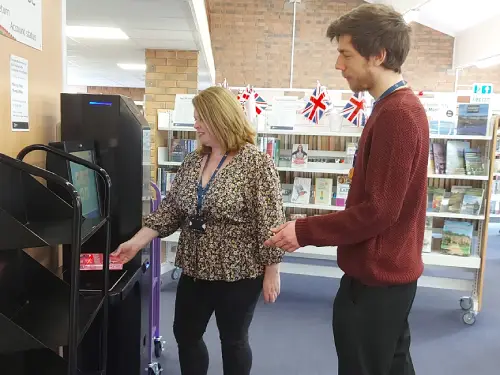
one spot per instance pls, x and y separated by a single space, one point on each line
72 147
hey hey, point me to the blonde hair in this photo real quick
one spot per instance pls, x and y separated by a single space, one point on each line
219 109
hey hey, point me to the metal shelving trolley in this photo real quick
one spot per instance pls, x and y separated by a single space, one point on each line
330 145
43 318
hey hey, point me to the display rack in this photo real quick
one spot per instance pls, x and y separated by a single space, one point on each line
452 272
44 319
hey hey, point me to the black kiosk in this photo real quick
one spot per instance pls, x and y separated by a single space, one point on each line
109 129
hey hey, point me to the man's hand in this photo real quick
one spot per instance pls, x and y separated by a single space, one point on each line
284 237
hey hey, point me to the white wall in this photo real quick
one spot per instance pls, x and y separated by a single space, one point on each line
476 43
75 89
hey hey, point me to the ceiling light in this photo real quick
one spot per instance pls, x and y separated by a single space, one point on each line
133 66
488 62
88 32
411 16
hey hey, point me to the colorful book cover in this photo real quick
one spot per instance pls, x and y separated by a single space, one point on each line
438 150
94 262
299 155
301 193
457 238
472 202
473 119
323 191
455 156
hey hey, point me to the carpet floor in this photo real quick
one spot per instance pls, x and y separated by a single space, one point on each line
294 336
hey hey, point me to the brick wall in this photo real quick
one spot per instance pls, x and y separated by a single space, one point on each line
167 73
251 41
135 93
472 75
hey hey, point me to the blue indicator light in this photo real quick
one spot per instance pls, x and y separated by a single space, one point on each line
105 104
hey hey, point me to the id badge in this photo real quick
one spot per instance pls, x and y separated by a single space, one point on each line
197 223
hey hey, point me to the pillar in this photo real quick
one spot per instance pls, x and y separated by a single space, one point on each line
168 72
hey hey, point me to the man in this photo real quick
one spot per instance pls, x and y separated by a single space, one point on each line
380 233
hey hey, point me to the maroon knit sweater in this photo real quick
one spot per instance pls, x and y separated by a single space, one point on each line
380 233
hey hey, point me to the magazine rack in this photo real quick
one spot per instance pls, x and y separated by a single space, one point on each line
41 315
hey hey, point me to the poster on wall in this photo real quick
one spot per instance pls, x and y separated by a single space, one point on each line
21 20
19 113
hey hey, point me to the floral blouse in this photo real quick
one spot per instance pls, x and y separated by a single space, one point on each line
243 203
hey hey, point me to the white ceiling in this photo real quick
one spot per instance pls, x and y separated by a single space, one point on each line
448 16
150 24
455 16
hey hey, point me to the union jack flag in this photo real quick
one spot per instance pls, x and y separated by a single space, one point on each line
318 105
260 103
355 110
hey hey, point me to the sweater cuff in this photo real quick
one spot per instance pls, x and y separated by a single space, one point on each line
302 232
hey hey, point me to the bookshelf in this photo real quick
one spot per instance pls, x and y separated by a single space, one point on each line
331 139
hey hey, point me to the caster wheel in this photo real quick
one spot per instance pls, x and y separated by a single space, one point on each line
466 303
158 348
469 318
176 274
155 369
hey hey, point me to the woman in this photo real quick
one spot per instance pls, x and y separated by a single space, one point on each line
225 198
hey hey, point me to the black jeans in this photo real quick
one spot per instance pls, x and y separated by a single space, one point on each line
370 328
234 305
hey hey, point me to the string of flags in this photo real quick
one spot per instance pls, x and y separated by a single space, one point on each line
318 105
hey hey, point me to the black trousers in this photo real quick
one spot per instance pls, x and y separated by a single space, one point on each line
234 305
370 328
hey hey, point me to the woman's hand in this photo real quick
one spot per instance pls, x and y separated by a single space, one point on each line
272 283
128 250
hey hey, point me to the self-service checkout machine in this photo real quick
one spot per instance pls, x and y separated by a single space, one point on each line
110 130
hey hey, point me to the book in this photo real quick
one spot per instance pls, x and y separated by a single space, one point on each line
299 155
457 238
455 157
301 193
94 262
474 162
286 192
472 202
438 150
270 146
427 246
179 148
473 119
323 191
343 186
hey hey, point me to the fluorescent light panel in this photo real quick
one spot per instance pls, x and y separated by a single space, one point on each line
87 32
141 67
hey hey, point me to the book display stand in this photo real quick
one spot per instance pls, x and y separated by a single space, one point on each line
43 318
314 162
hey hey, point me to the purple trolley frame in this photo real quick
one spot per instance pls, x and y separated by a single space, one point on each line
156 344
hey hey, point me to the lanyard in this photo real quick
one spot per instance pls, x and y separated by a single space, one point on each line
389 91
202 191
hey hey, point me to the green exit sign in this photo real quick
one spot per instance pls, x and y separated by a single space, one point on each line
482 88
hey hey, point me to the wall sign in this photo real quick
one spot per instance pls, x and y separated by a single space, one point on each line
21 20
482 88
19 110
481 93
